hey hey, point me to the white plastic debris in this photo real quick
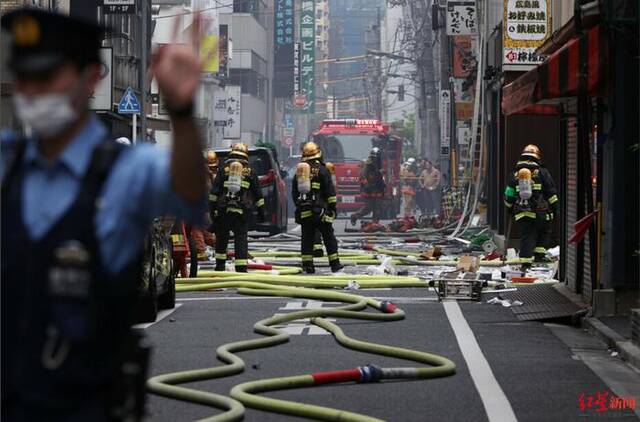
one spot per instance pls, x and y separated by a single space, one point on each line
386 267
554 252
614 354
504 302
352 285
511 254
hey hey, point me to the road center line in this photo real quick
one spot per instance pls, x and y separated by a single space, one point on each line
494 400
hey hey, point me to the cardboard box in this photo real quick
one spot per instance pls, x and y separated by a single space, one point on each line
468 263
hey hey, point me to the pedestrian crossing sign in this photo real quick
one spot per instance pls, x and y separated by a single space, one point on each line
129 103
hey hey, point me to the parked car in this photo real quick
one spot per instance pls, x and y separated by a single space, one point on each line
157 288
264 163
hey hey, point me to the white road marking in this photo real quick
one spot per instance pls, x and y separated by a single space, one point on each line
494 400
161 315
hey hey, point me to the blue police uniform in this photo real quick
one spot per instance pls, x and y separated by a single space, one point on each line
86 214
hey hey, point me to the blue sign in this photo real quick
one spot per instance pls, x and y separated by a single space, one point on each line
129 103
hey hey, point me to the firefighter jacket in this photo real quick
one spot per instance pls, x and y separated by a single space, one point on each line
544 198
243 203
409 180
319 205
371 181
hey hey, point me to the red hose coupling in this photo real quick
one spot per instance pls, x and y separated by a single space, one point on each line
387 307
333 377
266 267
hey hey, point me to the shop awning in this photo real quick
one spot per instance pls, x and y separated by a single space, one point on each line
558 76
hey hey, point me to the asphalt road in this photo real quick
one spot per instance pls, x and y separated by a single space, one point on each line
506 368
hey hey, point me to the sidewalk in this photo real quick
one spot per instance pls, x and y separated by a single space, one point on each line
615 331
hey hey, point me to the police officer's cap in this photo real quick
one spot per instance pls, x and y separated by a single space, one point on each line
41 40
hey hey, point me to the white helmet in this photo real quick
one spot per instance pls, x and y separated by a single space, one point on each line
124 141
411 160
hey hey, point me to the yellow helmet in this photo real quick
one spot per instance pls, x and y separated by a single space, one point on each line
212 158
241 150
311 150
532 151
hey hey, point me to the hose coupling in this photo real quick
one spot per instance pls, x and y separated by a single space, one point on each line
370 373
387 307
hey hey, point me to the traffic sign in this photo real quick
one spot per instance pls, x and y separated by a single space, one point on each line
288 141
129 103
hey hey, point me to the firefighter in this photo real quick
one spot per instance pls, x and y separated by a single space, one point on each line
237 193
372 187
409 177
76 207
204 235
318 249
315 199
532 198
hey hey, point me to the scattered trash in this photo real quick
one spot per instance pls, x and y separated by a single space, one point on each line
386 267
172 320
352 285
468 263
504 302
432 254
614 354
511 254
554 252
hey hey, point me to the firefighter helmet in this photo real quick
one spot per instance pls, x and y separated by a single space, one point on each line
212 158
311 150
240 150
532 151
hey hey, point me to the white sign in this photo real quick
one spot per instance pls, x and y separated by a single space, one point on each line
234 109
461 17
102 98
445 118
464 135
296 67
527 25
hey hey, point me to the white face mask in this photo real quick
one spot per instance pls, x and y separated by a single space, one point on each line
46 115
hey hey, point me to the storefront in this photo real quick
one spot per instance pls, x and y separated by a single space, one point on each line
591 82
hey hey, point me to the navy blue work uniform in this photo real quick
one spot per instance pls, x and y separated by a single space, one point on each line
72 236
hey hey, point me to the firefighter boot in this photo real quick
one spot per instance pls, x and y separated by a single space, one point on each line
336 266
220 264
308 268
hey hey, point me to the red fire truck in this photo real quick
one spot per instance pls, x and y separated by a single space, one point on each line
346 143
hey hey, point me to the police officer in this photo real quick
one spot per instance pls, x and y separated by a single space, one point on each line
237 193
372 187
315 199
532 198
76 207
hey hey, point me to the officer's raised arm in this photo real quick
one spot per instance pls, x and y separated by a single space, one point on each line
177 69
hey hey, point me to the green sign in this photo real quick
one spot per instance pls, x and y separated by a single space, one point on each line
308 54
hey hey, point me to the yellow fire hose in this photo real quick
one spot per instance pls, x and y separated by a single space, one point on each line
246 394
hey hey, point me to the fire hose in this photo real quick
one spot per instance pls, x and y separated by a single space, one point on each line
246 394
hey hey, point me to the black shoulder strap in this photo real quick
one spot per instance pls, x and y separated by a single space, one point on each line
13 165
102 161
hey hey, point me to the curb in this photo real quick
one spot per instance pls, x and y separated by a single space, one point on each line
629 352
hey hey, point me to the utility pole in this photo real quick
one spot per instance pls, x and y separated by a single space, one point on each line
142 75
420 13
446 83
